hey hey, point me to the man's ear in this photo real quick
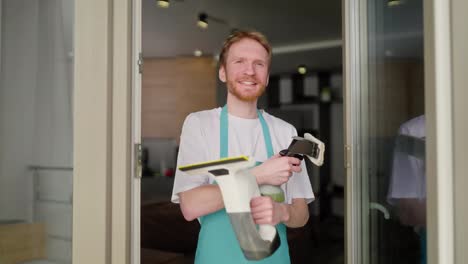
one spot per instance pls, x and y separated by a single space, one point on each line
222 74
267 80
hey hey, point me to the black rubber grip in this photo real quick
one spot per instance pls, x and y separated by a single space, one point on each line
285 152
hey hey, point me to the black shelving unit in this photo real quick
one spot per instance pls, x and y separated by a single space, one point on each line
302 104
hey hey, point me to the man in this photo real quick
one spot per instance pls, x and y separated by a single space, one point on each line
407 189
240 129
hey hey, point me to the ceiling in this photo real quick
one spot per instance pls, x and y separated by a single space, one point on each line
306 32
301 31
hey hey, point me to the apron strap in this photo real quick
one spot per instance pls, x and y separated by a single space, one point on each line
223 133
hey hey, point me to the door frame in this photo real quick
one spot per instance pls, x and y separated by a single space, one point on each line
136 173
460 126
445 40
355 77
102 131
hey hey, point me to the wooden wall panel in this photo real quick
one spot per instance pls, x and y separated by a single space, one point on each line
398 95
173 88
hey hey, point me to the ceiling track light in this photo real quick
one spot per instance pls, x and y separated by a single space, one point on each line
163 3
202 20
204 17
302 69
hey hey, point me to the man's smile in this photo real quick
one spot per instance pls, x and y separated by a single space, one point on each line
248 83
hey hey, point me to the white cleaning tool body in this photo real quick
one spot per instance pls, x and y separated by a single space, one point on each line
238 186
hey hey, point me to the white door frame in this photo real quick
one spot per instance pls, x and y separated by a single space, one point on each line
445 40
136 132
459 30
355 79
102 132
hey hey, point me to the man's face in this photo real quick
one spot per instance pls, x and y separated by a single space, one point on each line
246 70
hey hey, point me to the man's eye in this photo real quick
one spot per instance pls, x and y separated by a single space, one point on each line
261 64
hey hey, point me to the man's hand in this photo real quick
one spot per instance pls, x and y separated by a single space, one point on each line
266 211
276 170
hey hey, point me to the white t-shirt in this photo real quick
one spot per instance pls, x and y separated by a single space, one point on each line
199 142
408 178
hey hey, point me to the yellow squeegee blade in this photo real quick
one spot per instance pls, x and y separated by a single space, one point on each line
213 163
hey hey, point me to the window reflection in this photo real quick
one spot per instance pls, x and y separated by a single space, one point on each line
394 125
407 190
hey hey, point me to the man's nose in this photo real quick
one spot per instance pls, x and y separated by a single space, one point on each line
249 69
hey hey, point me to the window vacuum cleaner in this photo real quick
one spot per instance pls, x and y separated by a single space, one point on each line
238 186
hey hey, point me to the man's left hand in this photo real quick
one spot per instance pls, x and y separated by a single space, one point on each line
266 211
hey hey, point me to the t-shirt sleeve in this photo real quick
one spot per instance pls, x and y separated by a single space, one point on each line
192 149
299 185
404 181
406 175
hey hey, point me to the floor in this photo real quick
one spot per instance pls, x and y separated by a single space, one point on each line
322 242
154 256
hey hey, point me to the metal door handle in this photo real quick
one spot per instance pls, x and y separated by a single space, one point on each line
380 208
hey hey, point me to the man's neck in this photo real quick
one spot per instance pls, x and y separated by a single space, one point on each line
241 108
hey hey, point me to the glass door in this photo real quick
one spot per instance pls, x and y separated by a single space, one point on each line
36 139
386 132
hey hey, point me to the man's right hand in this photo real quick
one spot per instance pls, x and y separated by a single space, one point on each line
276 170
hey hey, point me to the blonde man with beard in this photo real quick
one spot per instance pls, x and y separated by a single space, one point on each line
239 128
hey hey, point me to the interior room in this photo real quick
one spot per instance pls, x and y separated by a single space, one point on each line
181 41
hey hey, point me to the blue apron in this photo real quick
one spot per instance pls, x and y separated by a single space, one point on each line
217 242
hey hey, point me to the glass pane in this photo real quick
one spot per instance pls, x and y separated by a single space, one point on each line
36 67
395 133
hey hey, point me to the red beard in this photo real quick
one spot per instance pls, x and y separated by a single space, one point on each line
245 95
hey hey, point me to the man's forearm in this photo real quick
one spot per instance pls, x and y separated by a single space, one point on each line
295 214
200 201
412 211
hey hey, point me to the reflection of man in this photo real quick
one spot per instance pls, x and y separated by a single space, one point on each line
240 129
408 182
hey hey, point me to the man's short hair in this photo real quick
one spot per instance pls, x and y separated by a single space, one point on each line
237 36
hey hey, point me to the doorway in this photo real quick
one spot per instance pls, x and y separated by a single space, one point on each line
180 61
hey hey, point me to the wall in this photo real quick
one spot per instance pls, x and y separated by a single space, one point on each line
171 89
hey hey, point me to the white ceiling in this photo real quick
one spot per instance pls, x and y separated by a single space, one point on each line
303 26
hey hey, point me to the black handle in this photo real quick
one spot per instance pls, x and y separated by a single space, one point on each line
285 152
